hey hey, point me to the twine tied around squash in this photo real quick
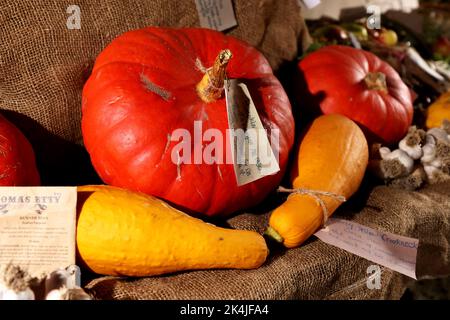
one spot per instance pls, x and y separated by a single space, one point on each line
316 195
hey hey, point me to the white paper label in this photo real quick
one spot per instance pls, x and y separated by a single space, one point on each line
216 14
395 252
310 3
253 157
37 227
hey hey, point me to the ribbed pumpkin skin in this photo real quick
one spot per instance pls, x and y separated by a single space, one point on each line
126 126
17 161
335 75
332 157
122 233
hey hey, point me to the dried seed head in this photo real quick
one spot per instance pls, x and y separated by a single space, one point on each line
446 165
436 175
442 149
15 278
393 169
412 182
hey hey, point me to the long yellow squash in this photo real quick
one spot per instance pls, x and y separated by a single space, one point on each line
332 157
124 233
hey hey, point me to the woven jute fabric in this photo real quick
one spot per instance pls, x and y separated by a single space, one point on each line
315 270
44 64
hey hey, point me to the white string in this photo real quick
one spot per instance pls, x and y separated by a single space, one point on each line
316 195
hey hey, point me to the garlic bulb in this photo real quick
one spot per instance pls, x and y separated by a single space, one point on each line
384 151
64 293
414 152
439 134
57 279
429 150
9 294
430 171
437 163
14 284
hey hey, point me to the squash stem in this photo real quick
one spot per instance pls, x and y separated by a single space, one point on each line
274 235
210 88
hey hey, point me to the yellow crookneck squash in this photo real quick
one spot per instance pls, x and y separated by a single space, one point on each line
332 157
122 233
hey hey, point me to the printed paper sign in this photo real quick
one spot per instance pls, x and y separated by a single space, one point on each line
216 14
253 157
37 227
395 252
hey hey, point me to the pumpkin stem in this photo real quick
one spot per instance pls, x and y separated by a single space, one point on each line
376 81
210 88
273 234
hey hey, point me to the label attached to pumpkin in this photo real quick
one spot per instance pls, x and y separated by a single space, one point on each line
395 252
216 14
252 154
37 227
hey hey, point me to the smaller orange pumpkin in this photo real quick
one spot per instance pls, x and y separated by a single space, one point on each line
17 161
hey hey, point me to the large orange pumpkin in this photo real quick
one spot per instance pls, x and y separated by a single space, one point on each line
144 85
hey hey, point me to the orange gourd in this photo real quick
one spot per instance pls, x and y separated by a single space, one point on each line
332 157
439 111
120 232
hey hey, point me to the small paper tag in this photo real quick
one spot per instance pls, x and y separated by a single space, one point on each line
216 14
310 3
354 40
37 227
395 252
253 157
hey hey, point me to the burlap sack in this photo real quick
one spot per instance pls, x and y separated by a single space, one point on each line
44 65
316 270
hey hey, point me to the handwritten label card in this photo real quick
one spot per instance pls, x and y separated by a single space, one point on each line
216 14
395 252
253 157
37 227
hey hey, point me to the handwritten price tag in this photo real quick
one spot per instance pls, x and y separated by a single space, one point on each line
216 14
395 252
253 157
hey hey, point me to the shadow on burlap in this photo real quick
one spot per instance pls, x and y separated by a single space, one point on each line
316 270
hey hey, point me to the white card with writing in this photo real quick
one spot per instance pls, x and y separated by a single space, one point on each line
395 252
37 227
253 157
310 4
216 14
